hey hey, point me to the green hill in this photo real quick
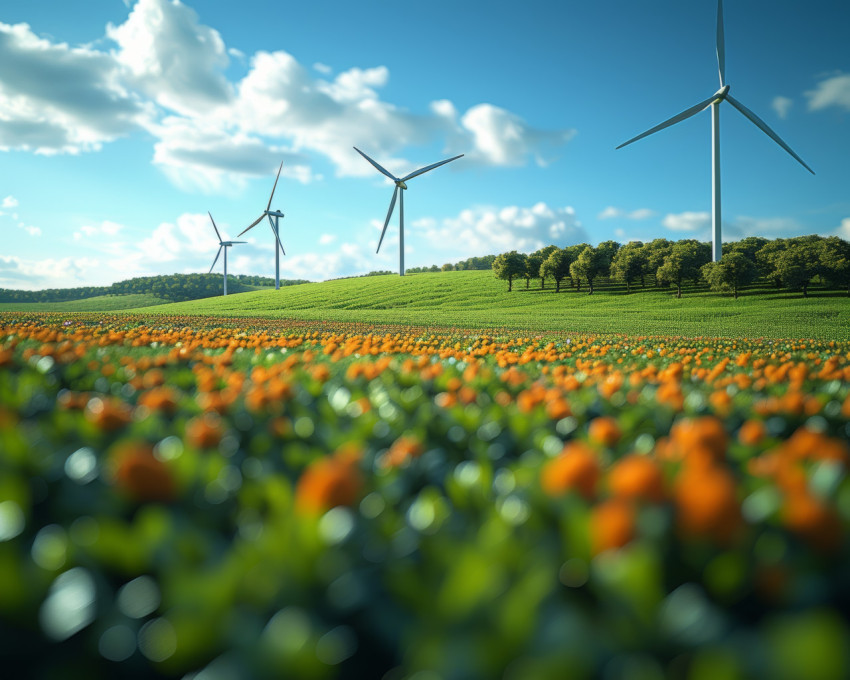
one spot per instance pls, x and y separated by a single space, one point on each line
476 299
99 303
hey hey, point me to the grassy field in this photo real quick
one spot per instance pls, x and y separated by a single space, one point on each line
476 299
100 303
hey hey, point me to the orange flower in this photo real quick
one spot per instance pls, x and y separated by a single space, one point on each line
816 522
604 430
403 449
558 408
752 432
107 413
707 503
204 431
139 474
575 469
705 431
329 482
637 477
159 399
612 525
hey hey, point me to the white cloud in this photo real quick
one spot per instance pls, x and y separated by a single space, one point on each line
105 228
66 272
9 202
172 57
58 99
769 227
782 105
611 212
687 221
833 91
31 230
324 69
326 239
483 230
844 229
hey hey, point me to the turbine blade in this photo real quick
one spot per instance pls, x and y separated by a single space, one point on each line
252 225
721 46
422 171
214 227
269 207
377 166
277 238
215 260
387 221
766 129
672 121
232 242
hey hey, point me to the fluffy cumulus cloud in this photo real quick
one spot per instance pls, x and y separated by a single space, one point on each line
66 272
612 212
9 202
687 221
164 72
832 91
481 230
782 105
55 98
844 229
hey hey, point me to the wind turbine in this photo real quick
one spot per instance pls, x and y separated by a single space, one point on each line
222 245
714 101
268 212
400 186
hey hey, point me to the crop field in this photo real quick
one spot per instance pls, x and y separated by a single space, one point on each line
476 299
257 499
100 303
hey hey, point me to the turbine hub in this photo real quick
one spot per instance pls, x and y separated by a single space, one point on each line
400 184
721 94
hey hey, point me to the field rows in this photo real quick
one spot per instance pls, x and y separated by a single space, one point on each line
260 499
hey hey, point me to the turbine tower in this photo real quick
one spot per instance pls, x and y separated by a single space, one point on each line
400 186
222 245
276 214
714 101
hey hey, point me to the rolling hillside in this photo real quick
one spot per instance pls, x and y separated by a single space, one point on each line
476 299
99 303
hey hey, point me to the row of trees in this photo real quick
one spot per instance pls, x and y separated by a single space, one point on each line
173 287
792 263
480 263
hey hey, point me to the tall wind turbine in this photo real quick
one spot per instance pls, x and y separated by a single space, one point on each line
222 245
400 186
276 214
714 102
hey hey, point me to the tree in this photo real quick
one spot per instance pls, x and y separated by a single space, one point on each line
573 252
588 265
835 259
557 265
799 263
656 252
447 267
508 266
767 260
532 267
749 246
629 263
607 251
682 263
733 271
544 253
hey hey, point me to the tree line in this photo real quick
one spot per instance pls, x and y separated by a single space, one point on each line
791 263
171 287
479 263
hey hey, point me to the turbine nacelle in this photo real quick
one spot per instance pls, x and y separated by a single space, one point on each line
720 95
400 184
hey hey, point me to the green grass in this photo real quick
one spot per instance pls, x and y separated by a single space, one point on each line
100 303
476 299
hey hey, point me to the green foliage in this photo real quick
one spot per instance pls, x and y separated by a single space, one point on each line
732 272
588 265
799 263
171 287
508 266
630 263
556 266
684 262
835 260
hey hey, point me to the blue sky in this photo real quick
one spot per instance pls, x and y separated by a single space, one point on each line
122 125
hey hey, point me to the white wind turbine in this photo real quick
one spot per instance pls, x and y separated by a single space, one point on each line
222 245
714 101
400 186
276 214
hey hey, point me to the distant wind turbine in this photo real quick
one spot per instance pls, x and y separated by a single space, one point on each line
400 186
222 245
268 212
714 101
